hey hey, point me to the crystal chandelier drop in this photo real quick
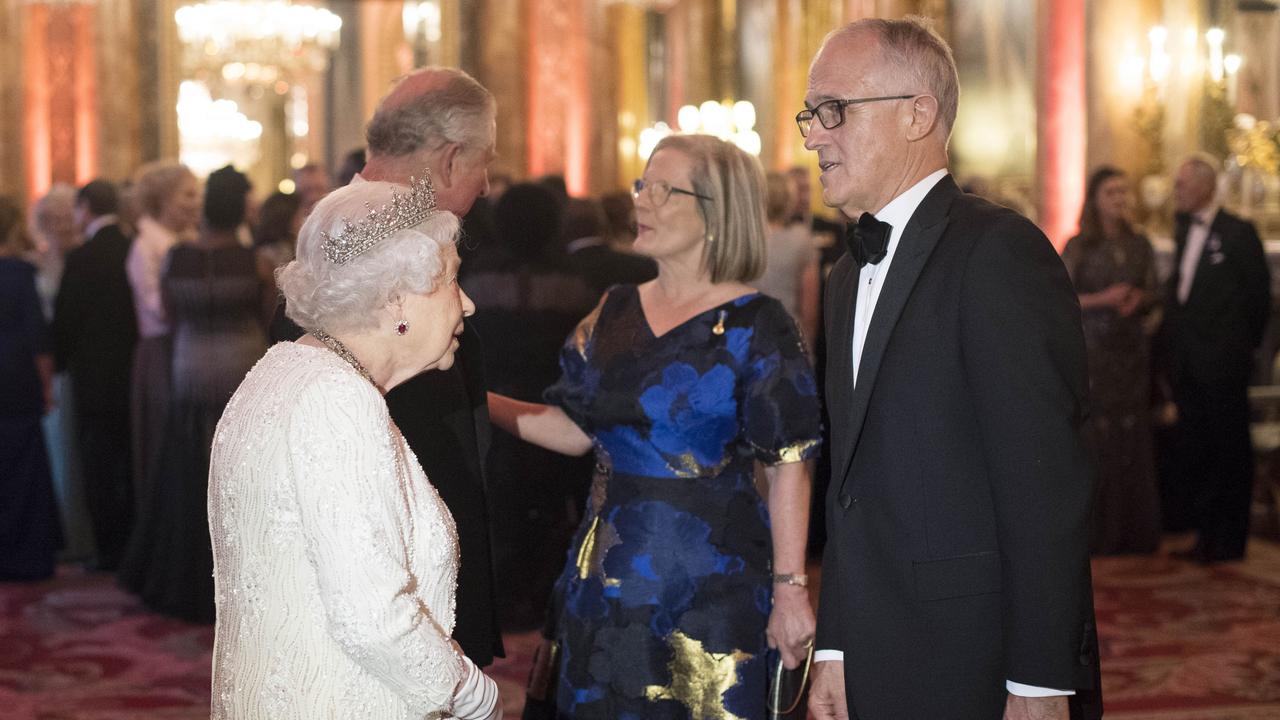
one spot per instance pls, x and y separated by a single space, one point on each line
280 37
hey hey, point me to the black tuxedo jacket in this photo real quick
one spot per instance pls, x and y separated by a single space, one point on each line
444 417
1212 337
94 325
956 554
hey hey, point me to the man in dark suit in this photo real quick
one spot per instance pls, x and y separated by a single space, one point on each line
94 334
441 120
1216 309
956 578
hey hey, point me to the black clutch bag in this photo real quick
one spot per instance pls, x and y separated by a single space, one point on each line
789 690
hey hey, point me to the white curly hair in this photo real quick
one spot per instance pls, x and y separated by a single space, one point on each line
346 298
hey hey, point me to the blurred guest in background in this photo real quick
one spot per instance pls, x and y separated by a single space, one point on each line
1216 308
274 237
525 307
29 532
352 163
94 336
589 253
55 234
168 196
1113 270
791 259
310 183
213 295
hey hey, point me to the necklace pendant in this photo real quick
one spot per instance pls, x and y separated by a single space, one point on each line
718 328
402 327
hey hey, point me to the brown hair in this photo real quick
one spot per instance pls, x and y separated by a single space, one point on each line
1090 219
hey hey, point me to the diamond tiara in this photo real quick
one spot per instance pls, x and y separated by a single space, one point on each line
403 212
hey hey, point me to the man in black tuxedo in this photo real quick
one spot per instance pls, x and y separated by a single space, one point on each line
956 579
94 334
441 120
1216 309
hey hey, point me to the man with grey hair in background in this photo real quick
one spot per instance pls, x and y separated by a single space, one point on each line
440 120
956 579
1216 308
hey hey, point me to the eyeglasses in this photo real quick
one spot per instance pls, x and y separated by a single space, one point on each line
831 112
659 191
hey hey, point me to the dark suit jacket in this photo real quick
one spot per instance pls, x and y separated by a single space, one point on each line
94 325
1212 337
956 551
444 417
602 267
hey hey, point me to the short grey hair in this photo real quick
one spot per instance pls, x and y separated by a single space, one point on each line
457 110
913 49
346 297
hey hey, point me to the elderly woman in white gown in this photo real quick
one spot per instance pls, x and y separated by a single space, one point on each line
335 559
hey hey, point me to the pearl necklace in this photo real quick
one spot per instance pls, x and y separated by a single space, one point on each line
341 351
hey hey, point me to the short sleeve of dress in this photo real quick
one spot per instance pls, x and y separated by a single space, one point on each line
579 379
781 415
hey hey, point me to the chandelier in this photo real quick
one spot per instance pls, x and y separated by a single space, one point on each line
280 38
727 120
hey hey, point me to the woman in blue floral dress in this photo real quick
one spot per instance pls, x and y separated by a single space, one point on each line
682 576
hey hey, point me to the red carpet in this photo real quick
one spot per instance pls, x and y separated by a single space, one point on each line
1179 642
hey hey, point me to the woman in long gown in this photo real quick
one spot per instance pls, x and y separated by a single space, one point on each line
682 576
168 196
29 528
213 295
1113 269
336 559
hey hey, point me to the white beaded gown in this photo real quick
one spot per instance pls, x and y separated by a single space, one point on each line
335 561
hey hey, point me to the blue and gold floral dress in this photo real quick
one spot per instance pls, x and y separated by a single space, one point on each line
666 594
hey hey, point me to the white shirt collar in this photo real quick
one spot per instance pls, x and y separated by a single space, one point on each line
900 209
98 223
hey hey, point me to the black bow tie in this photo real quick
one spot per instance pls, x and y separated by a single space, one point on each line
868 239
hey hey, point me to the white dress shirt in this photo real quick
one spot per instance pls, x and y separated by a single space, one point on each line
1197 236
870 280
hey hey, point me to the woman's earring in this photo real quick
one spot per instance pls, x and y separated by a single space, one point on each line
402 327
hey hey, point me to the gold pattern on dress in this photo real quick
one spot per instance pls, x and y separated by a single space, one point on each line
795 453
600 538
586 328
699 679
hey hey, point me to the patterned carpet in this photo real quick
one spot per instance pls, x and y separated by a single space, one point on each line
1180 642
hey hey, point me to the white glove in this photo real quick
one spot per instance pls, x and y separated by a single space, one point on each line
476 697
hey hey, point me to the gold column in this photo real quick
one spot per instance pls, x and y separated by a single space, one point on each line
628 59
119 93
385 56
1114 136
500 70
12 165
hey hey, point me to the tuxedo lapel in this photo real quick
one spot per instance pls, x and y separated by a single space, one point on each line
914 248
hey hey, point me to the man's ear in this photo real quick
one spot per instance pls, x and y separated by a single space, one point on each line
450 154
924 117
